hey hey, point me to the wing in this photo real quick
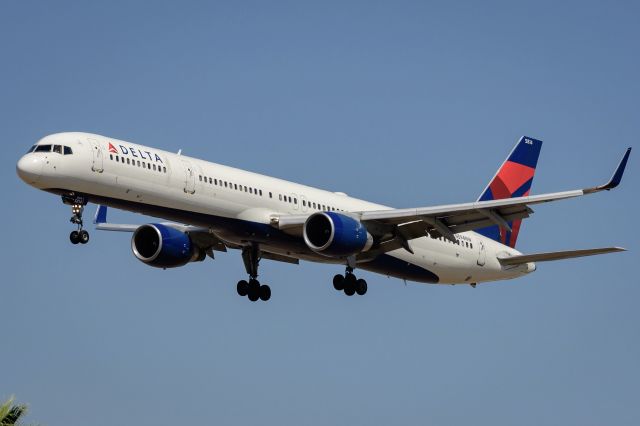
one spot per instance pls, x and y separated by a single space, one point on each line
555 255
394 228
202 237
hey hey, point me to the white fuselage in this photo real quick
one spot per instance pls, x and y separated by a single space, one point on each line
137 178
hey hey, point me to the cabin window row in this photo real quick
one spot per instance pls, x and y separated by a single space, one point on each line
462 243
229 185
310 204
138 163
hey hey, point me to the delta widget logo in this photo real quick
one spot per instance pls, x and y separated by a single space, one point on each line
136 153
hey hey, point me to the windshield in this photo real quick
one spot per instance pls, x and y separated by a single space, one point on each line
42 148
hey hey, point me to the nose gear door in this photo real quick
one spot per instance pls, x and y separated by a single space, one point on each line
189 177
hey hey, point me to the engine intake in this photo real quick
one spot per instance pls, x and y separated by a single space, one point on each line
164 247
336 235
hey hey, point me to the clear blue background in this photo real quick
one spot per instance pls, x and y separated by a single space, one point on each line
403 103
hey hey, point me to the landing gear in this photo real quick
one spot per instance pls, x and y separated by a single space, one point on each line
252 288
81 237
77 207
349 283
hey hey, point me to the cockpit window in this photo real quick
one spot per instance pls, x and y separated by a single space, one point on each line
67 151
32 148
57 148
43 148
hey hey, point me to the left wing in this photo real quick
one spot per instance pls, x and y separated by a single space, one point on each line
395 227
202 237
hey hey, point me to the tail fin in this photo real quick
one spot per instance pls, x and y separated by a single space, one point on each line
513 179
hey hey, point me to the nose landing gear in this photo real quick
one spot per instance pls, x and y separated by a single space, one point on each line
77 203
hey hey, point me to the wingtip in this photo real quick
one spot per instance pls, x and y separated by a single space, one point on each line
616 178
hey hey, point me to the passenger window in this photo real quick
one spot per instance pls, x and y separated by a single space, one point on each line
117 159
261 192
304 203
215 181
270 195
43 148
164 169
295 201
280 196
111 156
128 161
250 190
149 166
210 181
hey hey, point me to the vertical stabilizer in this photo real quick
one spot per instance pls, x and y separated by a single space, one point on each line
513 179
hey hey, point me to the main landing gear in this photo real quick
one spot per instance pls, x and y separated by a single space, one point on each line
77 207
349 283
252 289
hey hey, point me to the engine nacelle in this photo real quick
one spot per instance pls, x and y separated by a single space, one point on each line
336 235
164 247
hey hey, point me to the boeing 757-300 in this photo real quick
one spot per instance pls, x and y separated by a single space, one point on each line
210 207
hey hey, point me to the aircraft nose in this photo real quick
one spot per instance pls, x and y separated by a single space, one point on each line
29 168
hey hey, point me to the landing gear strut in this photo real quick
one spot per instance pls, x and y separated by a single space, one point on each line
349 283
77 207
252 289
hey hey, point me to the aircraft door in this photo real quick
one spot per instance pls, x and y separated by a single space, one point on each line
189 177
482 253
97 164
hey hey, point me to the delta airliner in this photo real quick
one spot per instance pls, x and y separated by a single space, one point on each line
211 207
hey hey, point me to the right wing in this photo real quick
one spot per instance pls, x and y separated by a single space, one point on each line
393 228
555 255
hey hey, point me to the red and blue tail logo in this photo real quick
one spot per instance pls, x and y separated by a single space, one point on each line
513 179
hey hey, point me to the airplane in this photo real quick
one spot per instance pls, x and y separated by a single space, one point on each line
211 207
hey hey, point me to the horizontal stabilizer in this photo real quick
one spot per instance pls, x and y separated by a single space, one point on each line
556 255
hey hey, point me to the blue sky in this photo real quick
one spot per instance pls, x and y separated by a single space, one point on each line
403 103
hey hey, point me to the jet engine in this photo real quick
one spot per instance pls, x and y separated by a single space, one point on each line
336 235
164 247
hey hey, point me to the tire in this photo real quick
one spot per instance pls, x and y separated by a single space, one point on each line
242 288
350 279
349 289
361 287
254 290
84 237
253 295
265 293
74 237
338 282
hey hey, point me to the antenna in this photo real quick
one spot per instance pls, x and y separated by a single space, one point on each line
180 151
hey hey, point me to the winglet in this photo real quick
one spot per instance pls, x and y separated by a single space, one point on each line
101 215
615 179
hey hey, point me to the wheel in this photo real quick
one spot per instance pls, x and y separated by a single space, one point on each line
254 290
265 293
74 237
84 237
361 287
349 289
242 288
338 282
350 278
